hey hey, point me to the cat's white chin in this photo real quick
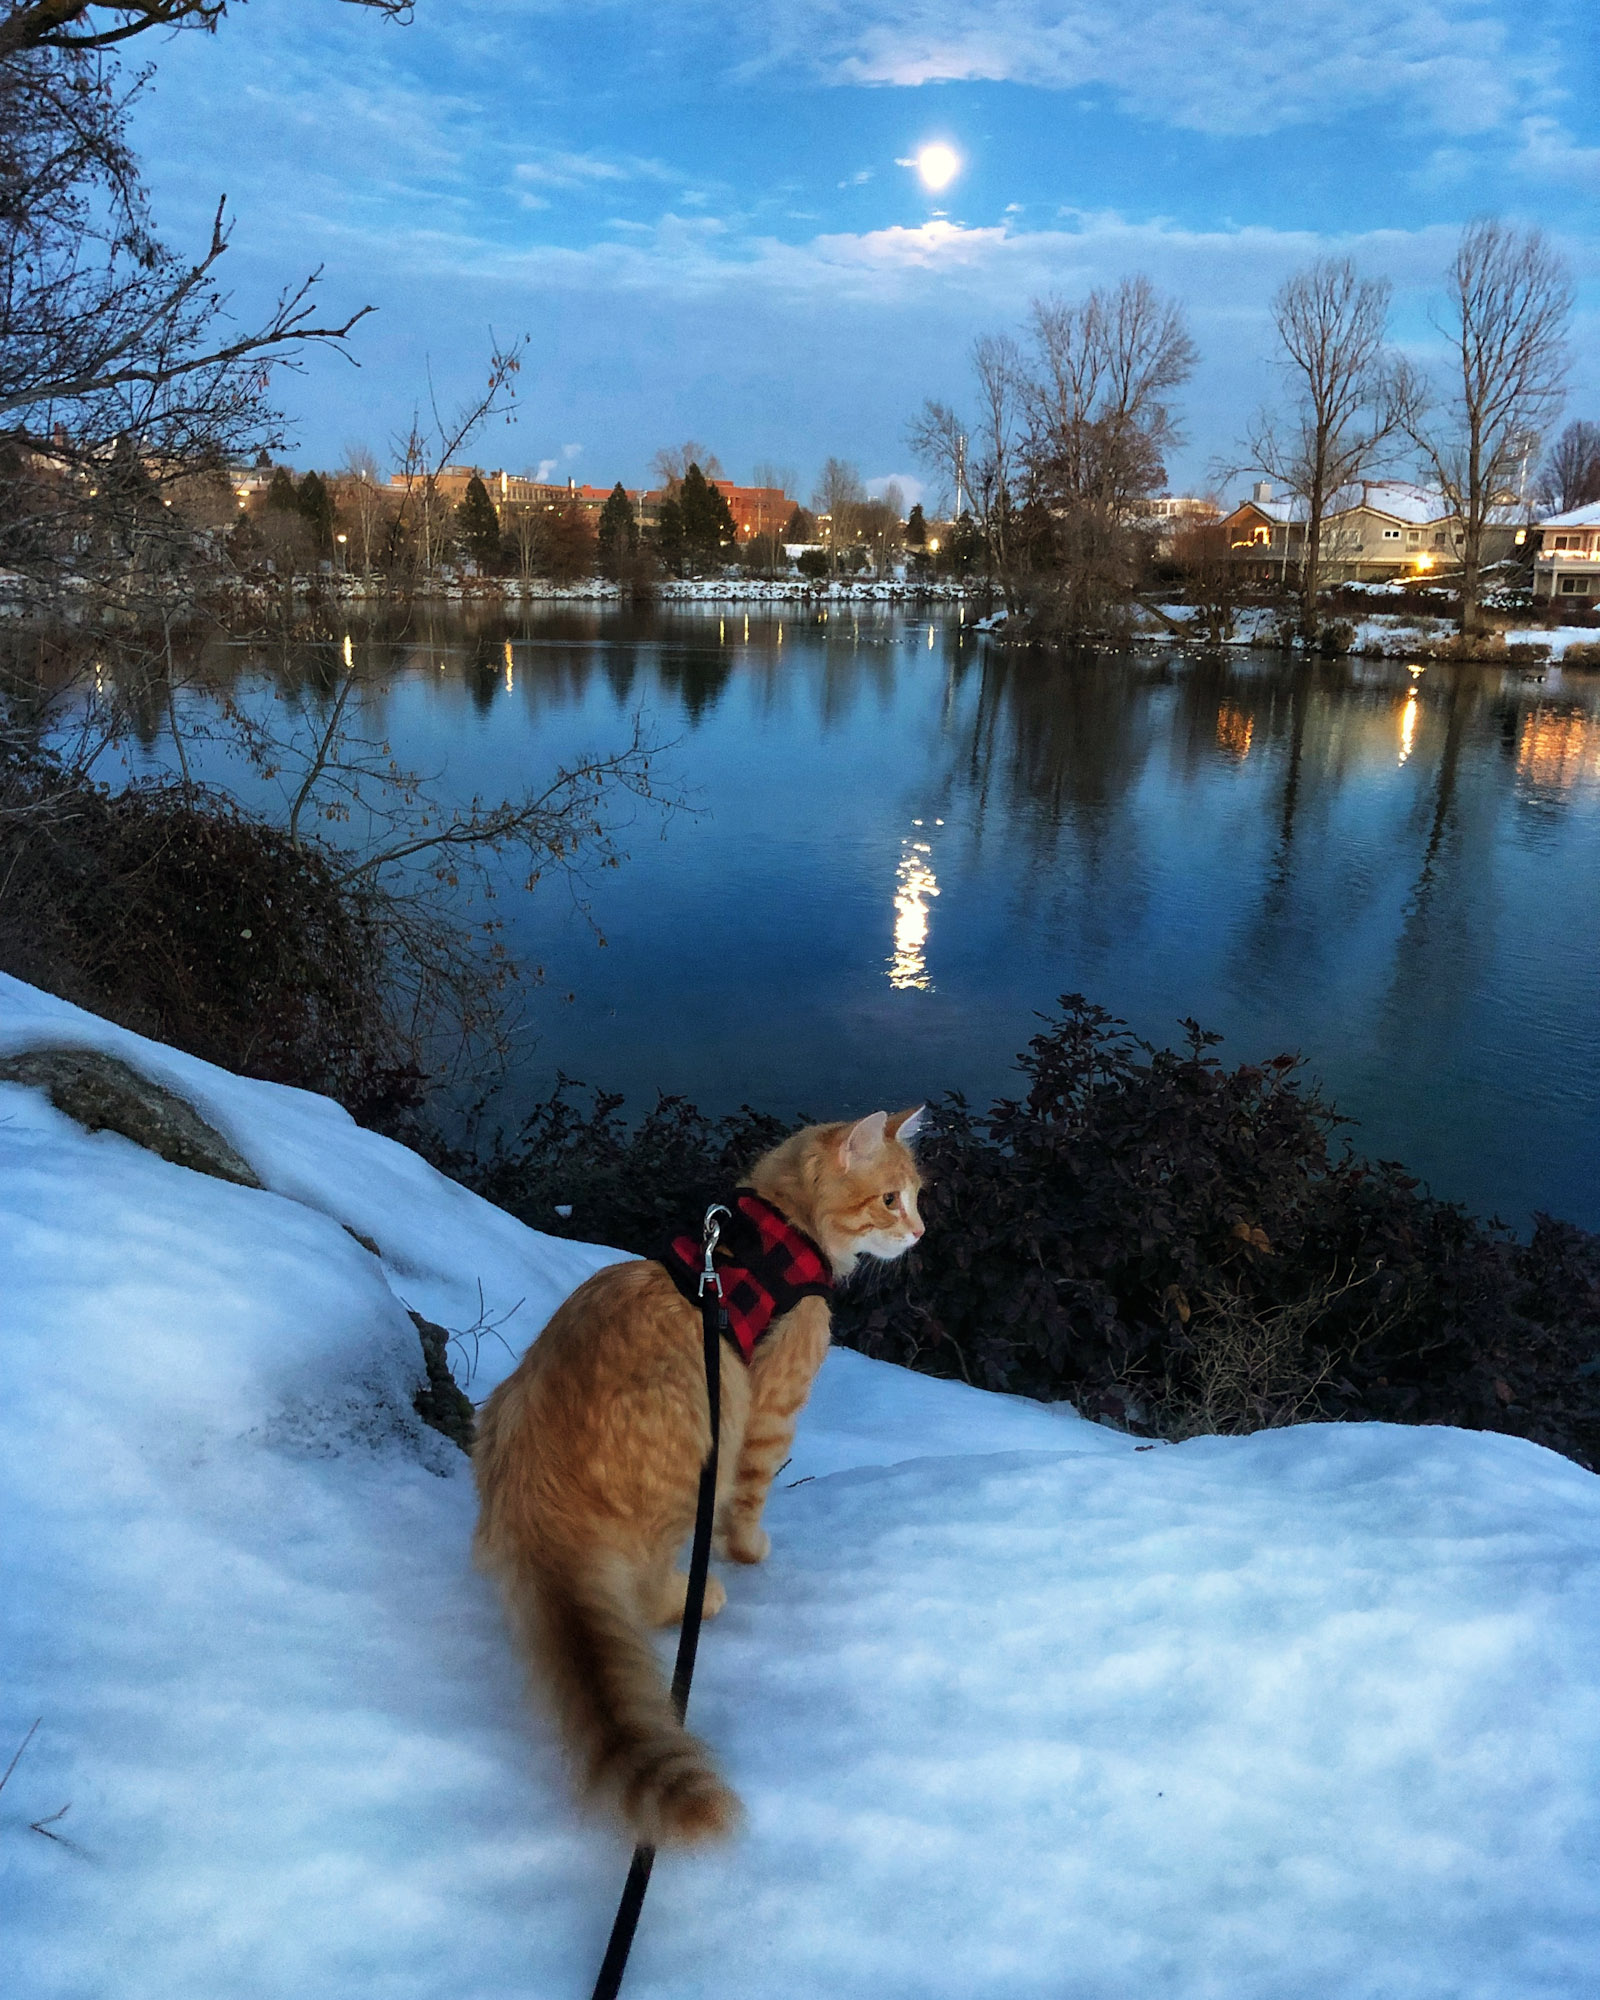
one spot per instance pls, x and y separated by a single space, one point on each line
885 1248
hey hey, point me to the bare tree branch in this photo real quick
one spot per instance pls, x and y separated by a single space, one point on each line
1342 412
1508 303
72 25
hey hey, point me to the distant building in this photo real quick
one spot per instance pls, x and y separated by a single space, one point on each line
1375 532
1168 513
756 510
1566 562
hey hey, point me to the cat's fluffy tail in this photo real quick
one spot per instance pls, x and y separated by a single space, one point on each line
615 1710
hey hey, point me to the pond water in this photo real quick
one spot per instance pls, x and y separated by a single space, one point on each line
907 842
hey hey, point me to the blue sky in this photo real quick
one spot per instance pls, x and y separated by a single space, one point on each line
699 211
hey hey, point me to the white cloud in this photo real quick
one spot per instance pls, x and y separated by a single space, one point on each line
913 491
1549 153
1250 66
556 169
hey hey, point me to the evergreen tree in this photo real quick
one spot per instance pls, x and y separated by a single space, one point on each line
916 528
799 527
708 531
315 504
619 531
281 496
478 524
568 544
669 536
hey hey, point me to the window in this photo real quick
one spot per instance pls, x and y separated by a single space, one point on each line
1413 536
1562 542
1574 586
1391 534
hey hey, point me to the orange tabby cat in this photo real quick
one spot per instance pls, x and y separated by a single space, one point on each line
588 1466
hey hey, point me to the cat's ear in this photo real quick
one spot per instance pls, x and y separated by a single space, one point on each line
906 1124
864 1139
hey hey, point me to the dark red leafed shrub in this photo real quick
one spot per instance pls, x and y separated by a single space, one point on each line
1171 1244
1179 1246
167 909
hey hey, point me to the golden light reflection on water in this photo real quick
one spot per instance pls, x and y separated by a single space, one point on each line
1235 730
915 885
1560 748
1408 725
510 688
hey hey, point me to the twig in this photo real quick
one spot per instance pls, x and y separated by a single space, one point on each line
44 1825
20 1748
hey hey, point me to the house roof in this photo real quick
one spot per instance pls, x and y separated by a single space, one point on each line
1396 500
1574 517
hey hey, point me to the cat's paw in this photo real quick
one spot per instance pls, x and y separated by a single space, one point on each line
746 1545
669 1609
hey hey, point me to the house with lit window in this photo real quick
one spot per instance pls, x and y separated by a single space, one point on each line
1566 562
1376 532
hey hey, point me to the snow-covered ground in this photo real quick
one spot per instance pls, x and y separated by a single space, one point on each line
1018 1706
730 589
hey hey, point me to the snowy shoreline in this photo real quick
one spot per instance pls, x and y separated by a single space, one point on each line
1019 1705
510 591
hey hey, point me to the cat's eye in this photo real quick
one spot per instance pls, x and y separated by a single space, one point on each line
891 1199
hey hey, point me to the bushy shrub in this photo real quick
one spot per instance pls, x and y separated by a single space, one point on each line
169 910
1172 1245
585 1173
1176 1245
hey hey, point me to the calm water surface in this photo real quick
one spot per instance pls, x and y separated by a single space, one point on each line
909 841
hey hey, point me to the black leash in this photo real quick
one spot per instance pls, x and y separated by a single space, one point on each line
714 1324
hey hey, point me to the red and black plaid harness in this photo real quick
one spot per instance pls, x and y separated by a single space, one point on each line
765 1263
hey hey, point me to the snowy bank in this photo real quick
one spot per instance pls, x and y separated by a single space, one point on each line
487 592
1019 1707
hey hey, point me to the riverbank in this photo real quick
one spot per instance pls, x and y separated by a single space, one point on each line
515 590
1380 635
1375 635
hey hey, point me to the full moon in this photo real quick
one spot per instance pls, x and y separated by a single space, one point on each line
938 165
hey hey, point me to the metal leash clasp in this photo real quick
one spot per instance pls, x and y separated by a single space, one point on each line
710 1276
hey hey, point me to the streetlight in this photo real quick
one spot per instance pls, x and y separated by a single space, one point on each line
341 540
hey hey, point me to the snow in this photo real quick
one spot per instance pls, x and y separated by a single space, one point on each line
1575 517
1018 1707
1557 637
733 588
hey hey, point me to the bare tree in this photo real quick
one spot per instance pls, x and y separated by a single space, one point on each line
523 528
1341 415
1508 302
1570 476
880 524
110 342
77 28
1098 422
672 462
362 496
839 496
1097 405
782 477
424 516
992 469
937 438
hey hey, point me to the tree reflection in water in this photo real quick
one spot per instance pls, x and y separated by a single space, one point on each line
1395 872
